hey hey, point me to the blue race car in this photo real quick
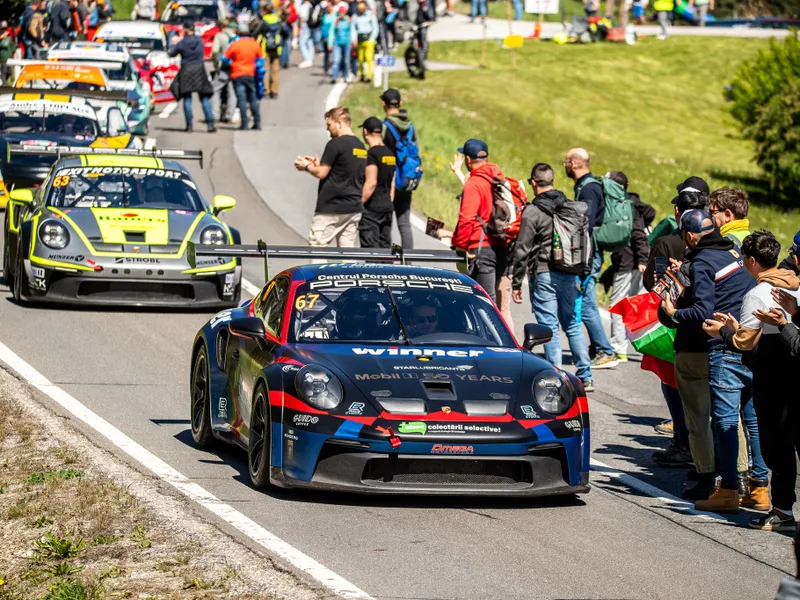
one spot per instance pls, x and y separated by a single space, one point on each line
383 379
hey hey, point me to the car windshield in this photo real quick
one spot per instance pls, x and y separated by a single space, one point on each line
123 187
138 46
197 12
38 122
432 309
123 74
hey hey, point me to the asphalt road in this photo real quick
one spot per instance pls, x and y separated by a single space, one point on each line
132 368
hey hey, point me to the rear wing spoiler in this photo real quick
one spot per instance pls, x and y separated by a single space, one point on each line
396 254
115 95
60 151
108 65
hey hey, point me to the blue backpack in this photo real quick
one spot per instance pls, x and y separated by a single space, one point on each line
408 172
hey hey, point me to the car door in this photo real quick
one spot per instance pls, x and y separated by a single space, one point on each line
253 358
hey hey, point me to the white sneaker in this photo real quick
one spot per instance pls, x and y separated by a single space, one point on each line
304 65
349 79
295 43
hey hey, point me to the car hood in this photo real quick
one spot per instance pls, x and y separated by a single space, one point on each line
423 380
150 226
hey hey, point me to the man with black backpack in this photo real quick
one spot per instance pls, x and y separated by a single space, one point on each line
588 189
550 228
400 137
268 34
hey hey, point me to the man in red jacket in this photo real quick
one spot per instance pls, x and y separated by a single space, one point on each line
488 255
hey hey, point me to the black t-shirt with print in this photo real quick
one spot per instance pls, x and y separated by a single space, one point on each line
383 158
340 192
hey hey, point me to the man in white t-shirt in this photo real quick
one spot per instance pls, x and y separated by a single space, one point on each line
772 365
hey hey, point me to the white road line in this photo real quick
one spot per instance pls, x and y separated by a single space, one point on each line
168 110
335 95
329 579
250 287
149 143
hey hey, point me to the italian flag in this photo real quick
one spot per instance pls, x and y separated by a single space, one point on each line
647 335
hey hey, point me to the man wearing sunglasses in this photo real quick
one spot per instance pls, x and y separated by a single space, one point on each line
729 207
424 320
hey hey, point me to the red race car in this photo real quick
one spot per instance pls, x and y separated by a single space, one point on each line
203 13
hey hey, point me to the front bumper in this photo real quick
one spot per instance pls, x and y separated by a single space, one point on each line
131 287
545 470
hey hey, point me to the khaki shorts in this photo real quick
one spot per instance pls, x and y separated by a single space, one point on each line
343 228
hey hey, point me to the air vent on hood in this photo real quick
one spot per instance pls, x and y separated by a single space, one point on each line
404 406
485 408
438 389
134 237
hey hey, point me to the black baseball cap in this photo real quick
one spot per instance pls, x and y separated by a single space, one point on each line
391 97
372 125
475 149
692 184
696 221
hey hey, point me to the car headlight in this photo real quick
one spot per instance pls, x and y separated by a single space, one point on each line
319 387
213 235
552 392
54 235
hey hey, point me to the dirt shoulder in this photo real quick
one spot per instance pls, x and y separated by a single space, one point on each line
78 523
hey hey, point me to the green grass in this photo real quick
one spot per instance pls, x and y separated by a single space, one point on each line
654 110
500 9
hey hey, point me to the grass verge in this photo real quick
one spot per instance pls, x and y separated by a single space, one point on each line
654 110
68 531
501 9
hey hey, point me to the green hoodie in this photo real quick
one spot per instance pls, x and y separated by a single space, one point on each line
402 123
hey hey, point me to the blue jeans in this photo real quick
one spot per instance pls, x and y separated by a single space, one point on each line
316 35
341 54
245 88
731 386
672 397
518 10
586 308
187 110
553 300
306 44
286 45
478 6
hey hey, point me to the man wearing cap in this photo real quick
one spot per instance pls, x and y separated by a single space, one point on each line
341 173
242 55
710 378
397 124
792 262
488 255
375 228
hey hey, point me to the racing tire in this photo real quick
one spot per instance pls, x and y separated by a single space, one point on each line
258 447
8 278
19 280
202 434
415 62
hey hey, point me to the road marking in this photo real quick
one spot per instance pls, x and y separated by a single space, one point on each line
168 110
335 95
250 287
257 533
149 143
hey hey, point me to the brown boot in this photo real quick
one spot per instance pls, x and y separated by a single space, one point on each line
757 496
720 501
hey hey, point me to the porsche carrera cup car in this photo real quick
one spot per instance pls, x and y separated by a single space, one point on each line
385 378
112 227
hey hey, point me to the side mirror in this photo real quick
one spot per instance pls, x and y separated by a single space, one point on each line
115 123
223 203
21 195
536 335
251 328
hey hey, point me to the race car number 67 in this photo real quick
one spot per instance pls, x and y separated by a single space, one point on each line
306 301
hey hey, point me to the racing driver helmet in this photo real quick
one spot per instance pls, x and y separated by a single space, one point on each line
360 315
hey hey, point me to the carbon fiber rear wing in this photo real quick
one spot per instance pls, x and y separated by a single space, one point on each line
261 250
60 151
115 95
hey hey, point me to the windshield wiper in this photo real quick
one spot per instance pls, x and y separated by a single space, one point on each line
397 316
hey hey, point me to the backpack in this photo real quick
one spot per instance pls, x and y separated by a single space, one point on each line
615 232
507 205
315 18
409 165
270 38
572 249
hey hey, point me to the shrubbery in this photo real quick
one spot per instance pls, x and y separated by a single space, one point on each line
766 102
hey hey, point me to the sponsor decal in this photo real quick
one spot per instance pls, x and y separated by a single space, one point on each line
462 428
229 277
447 410
212 261
38 272
121 171
72 257
289 368
419 427
37 284
139 260
221 317
448 449
573 424
327 284
290 435
508 350
498 396
183 212
380 393
222 411
529 412
432 367
431 352
227 289
356 409
487 378
305 420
